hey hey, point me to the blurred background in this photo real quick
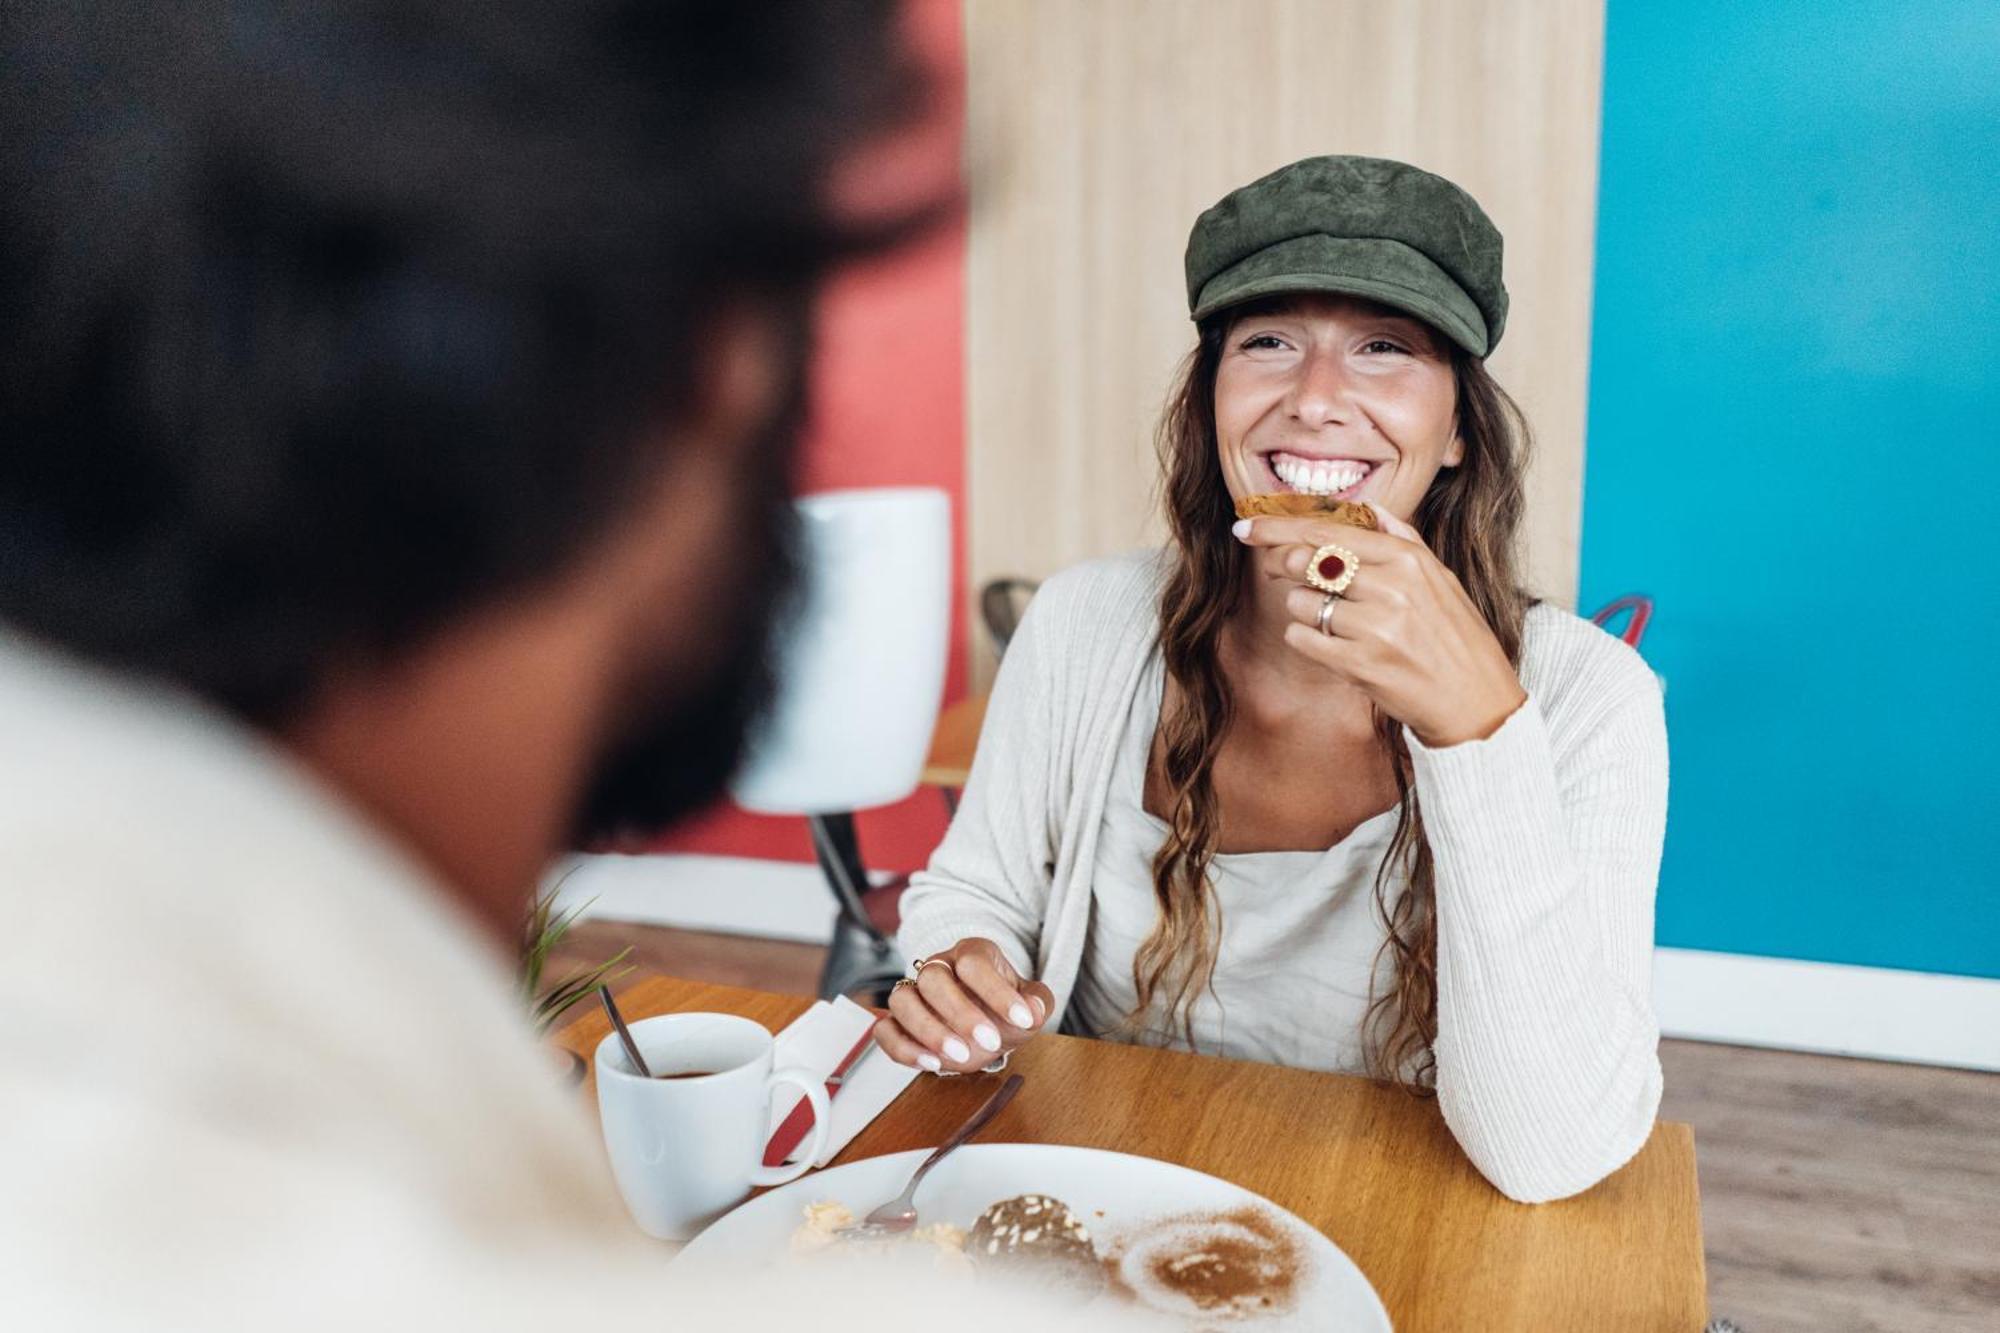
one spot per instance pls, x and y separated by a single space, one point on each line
1755 270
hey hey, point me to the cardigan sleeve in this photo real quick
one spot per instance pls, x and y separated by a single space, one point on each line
991 875
1547 861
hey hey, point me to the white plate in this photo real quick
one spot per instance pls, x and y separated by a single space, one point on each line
1119 1197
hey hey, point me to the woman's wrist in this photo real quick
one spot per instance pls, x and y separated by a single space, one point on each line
1474 721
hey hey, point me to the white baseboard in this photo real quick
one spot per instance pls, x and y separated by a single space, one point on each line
1877 1013
734 895
1873 1012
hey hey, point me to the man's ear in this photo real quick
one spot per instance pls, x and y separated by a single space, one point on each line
738 377
683 524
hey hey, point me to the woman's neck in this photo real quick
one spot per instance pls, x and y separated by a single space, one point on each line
1274 685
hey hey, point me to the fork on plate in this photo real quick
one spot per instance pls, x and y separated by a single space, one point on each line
899 1216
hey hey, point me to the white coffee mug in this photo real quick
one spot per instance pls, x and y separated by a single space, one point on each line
687 1144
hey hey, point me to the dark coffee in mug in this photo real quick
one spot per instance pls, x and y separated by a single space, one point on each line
687 1146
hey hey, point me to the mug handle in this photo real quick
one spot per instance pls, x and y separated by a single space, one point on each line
814 1087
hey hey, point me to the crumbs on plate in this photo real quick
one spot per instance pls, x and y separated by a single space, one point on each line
823 1221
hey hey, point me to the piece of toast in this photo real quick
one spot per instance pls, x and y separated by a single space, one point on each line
1292 504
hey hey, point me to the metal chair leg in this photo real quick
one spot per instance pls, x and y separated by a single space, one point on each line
855 963
859 952
840 861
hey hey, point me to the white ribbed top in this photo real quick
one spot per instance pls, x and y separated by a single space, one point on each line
1299 942
1546 834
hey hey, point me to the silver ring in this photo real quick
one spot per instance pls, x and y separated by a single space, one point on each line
1326 612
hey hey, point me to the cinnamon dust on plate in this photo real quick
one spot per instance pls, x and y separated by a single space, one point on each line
1233 1265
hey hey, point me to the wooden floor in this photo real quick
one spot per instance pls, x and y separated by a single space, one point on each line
1837 1196
1843 1194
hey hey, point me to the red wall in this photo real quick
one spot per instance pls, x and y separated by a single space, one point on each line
889 410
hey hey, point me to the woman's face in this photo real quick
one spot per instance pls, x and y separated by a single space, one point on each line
1332 395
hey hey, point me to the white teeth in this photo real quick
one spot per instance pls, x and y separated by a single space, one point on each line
1317 478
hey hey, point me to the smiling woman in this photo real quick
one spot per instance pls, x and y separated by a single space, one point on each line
1395 819
1333 395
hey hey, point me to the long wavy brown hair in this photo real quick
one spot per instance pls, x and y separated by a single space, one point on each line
1469 519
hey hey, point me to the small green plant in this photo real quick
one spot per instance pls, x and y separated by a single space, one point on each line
544 931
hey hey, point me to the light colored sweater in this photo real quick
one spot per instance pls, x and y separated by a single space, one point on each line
258 1072
1546 837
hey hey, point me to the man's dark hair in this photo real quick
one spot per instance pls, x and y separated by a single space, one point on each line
321 324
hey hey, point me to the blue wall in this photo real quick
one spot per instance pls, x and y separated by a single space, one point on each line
1794 445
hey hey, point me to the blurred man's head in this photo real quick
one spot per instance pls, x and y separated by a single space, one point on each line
341 345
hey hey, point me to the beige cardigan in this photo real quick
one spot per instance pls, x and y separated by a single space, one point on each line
1547 840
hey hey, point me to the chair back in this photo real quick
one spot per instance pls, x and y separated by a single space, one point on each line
1002 603
862 662
1641 609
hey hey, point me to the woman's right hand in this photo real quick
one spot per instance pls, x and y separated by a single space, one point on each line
963 1017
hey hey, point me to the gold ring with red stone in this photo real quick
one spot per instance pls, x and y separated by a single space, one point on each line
1332 569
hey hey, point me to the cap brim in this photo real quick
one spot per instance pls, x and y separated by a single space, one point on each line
1380 270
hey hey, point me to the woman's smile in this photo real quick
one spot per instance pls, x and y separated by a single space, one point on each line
1319 474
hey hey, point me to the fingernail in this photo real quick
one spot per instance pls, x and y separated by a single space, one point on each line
1020 1017
1241 530
986 1036
955 1049
1041 1009
930 1062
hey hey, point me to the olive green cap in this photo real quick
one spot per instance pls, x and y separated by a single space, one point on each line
1358 226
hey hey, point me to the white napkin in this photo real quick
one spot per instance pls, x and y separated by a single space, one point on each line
817 1040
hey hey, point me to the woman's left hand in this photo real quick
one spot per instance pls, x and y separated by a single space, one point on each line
1404 632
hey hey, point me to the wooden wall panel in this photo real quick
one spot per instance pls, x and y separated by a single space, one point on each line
1098 129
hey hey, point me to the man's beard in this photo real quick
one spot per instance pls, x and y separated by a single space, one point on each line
678 751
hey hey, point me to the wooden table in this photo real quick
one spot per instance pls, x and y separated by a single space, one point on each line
952 743
1373 1168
